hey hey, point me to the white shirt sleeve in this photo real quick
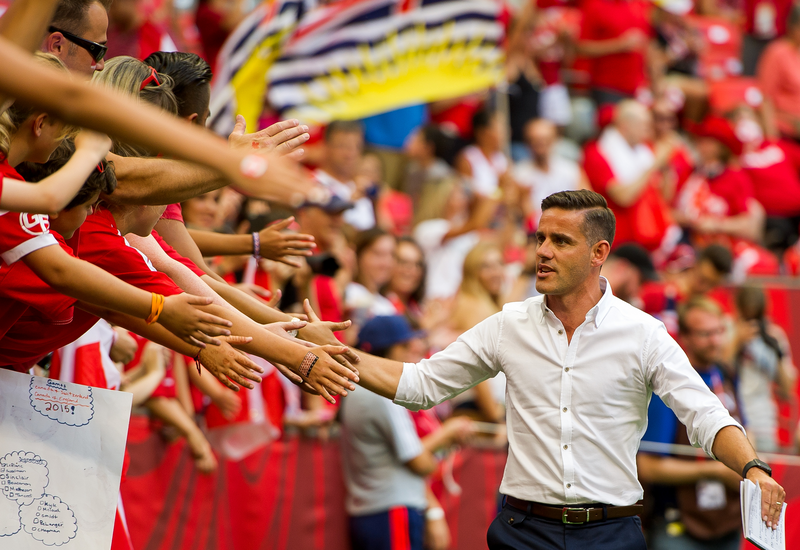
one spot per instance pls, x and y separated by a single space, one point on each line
466 362
674 379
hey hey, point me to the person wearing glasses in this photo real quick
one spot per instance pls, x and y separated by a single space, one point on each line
696 501
77 35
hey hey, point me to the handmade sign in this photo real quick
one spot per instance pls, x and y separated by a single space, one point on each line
61 452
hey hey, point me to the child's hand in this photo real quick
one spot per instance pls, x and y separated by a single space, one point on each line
190 324
92 142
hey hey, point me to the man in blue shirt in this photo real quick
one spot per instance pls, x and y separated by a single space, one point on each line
696 500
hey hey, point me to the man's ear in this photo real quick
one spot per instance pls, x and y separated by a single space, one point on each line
56 44
193 118
600 252
38 124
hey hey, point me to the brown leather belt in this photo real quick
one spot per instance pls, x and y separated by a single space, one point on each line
574 515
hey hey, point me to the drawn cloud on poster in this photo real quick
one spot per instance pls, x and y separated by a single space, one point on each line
50 521
23 476
71 406
10 522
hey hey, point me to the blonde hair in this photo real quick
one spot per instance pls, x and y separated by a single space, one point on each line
127 75
470 283
19 111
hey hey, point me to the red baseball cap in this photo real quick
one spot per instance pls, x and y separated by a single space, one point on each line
719 128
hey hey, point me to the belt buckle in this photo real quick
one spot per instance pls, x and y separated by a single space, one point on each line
565 510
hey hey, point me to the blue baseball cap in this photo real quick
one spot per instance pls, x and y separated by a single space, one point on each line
381 333
334 205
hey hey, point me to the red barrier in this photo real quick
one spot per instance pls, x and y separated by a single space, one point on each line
290 495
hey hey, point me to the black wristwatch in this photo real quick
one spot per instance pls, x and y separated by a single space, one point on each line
761 465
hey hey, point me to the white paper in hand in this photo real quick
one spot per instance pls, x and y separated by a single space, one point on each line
754 528
61 452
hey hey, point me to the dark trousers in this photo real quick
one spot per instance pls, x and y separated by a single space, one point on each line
400 528
514 530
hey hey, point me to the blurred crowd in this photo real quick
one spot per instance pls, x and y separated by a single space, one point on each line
684 115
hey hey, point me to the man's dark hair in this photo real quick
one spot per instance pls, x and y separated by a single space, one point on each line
599 223
720 258
343 126
189 73
70 15
104 181
482 119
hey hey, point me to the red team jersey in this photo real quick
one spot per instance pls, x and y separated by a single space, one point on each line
32 336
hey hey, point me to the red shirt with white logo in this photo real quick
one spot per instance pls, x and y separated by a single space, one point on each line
21 233
774 168
45 320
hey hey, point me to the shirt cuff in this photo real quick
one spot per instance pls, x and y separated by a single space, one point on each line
407 395
715 430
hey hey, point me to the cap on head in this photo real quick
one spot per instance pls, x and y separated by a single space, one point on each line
381 333
334 205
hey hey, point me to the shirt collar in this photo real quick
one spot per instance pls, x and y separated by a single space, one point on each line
596 314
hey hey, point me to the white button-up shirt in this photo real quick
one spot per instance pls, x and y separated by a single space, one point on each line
576 410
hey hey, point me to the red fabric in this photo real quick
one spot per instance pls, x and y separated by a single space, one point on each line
728 94
645 222
398 529
212 34
102 245
717 127
458 118
773 169
398 208
721 50
608 19
18 228
269 499
138 43
89 369
166 388
780 9
175 255
121 539
173 212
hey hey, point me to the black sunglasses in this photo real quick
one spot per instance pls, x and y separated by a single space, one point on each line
97 51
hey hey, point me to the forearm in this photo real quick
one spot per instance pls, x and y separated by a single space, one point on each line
254 308
157 181
177 236
435 440
86 282
746 226
379 375
25 22
732 448
627 195
598 48
142 388
216 244
480 218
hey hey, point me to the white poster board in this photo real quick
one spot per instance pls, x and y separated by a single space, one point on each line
61 452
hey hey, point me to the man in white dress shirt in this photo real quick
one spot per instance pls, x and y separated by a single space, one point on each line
581 367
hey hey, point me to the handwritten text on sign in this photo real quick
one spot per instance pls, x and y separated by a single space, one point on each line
73 405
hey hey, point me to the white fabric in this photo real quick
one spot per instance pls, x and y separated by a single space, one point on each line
357 297
627 163
485 171
362 215
555 105
562 175
101 333
445 259
575 411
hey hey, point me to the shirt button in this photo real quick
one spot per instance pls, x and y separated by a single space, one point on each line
569 485
565 447
565 409
566 369
560 331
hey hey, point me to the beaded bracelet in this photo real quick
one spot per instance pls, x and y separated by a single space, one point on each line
308 363
256 245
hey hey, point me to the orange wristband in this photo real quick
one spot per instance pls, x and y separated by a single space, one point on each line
156 307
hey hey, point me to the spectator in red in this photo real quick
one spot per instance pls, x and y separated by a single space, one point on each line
765 20
615 35
681 164
774 167
628 173
779 76
216 19
661 299
717 204
136 31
